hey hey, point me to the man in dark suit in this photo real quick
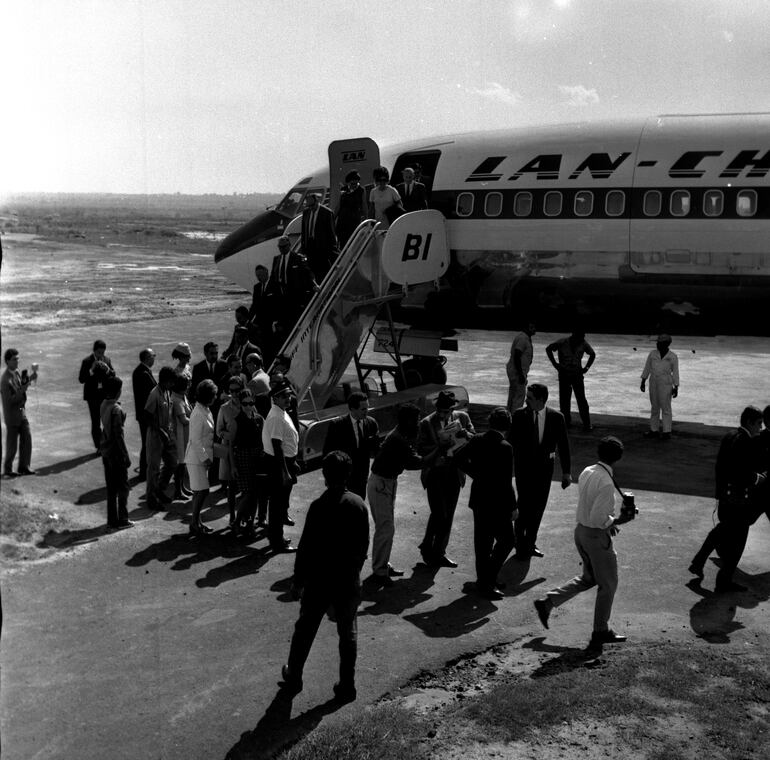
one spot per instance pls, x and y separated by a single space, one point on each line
537 433
414 196
94 370
441 477
327 573
488 459
356 434
263 314
739 485
243 346
211 367
294 286
319 240
13 389
142 382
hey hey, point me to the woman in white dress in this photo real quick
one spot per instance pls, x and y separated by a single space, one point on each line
384 200
200 452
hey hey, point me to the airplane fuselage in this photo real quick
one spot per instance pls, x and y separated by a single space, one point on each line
636 226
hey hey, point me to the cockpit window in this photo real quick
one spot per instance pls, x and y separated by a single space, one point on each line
291 204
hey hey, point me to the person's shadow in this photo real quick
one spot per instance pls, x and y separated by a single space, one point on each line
569 658
712 617
461 616
67 464
276 729
402 595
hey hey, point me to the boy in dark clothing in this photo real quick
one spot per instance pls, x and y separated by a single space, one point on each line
115 455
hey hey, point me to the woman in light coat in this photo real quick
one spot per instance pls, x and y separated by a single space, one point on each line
200 453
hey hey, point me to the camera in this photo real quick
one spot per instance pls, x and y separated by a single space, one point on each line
629 508
24 375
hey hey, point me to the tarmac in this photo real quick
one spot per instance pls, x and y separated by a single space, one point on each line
145 644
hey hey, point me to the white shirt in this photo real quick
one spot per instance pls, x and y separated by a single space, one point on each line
596 497
278 426
665 368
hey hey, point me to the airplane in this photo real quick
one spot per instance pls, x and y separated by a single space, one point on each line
657 224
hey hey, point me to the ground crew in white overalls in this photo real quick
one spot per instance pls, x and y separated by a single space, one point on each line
662 367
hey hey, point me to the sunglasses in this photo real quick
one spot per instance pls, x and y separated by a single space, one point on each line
247 403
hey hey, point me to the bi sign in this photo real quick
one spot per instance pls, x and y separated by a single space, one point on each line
415 248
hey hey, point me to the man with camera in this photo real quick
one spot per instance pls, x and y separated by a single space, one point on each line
13 388
596 526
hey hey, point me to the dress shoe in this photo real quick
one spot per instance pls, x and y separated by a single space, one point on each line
393 573
9 474
725 588
487 592
384 581
587 428
445 562
153 505
651 434
163 499
499 585
288 521
536 553
283 548
27 471
344 694
543 611
125 524
696 570
291 684
607 637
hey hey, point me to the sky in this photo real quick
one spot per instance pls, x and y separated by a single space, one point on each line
229 96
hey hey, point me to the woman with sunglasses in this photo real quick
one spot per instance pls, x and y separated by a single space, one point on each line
248 464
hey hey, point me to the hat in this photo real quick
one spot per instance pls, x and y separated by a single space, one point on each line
280 388
184 349
663 338
284 240
350 176
446 400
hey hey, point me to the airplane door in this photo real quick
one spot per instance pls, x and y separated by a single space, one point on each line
361 154
428 162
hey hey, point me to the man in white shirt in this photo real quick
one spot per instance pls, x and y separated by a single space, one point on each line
280 441
596 525
662 368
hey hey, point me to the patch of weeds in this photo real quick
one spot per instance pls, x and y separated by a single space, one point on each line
385 732
638 691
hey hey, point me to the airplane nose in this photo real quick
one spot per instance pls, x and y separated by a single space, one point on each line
264 226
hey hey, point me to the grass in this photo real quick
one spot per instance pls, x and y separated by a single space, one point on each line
388 732
672 701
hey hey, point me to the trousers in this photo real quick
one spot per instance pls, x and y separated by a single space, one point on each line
443 488
94 405
344 599
600 568
660 404
493 540
161 463
116 479
278 501
381 493
569 382
21 437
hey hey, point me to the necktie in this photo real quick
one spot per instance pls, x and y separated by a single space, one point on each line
211 369
359 433
408 189
283 269
537 428
311 225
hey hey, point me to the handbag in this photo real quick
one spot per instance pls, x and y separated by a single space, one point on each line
393 212
221 451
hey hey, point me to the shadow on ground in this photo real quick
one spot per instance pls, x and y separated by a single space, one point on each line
712 617
276 729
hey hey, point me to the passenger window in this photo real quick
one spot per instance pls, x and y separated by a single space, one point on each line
615 203
713 203
493 204
652 203
679 205
584 203
522 204
552 203
464 205
746 203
